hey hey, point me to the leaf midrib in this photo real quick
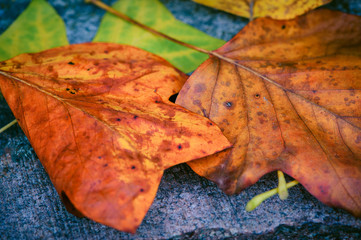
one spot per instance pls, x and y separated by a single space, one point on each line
62 100
265 78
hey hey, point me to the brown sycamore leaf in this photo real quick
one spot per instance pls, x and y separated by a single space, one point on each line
276 9
99 119
290 101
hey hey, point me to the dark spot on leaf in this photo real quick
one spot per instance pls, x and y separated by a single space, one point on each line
197 102
200 87
99 157
179 146
283 26
67 89
118 119
142 190
135 117
106 51
228 104
173 97
88 69
257 95
71 63
105 165
259 113
133 167
157 101
210 123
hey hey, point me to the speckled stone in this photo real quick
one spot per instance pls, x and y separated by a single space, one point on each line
186 206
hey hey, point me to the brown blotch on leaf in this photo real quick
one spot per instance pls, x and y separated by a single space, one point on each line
199 88
90 126
294 101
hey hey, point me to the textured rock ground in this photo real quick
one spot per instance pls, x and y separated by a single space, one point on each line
187 206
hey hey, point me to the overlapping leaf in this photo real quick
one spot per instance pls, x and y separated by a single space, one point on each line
276 9
153 14
289 99
99 119
38 28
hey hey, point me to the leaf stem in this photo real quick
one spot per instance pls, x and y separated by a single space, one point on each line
8 125
282 189
257 200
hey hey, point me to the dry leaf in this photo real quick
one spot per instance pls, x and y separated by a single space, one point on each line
99 119
299 111
276 9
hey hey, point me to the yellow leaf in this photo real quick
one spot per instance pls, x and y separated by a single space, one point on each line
276 9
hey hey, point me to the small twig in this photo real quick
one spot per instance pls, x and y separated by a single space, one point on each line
257 200
251 6
8 125
282 189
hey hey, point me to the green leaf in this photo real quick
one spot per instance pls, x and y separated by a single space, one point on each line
38 28
153 14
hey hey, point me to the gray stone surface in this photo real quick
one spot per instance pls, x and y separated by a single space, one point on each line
186 206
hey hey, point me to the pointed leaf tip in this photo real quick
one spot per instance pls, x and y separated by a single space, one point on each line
287 95
99 119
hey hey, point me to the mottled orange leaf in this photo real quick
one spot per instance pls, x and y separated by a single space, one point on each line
276 9
99 119
290 101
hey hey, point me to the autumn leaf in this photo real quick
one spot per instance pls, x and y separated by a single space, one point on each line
38 28
99 119
155 15
276 9
287 95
